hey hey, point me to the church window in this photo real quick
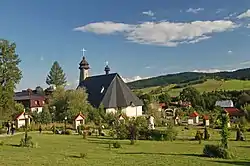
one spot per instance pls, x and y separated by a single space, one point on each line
102 90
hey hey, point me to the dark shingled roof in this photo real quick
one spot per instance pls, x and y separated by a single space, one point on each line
110 90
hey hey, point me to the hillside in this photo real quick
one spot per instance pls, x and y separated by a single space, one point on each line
190 78
207 86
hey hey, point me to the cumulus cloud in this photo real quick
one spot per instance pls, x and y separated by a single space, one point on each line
106 27
162 33
149 13
197 10
245 14
135 78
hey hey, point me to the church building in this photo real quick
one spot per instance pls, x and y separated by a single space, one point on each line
109 90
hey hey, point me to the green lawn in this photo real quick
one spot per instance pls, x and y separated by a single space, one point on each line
64 150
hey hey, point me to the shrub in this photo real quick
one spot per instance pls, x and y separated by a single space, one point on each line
198 136
83 155
1 143
68 132
2 131
116 145
206 134
217 152
26 142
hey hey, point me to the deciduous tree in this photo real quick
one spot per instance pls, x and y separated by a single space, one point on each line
10 75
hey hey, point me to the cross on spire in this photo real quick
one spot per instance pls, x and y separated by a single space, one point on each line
83 50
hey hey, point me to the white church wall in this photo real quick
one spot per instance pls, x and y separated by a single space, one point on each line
129 111
133 111
110 110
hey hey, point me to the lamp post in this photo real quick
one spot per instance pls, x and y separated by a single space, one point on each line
65 119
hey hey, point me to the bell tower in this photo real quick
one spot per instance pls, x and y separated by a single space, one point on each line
84 69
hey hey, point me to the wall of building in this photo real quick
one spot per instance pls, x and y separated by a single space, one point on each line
38 109
79 121
129 111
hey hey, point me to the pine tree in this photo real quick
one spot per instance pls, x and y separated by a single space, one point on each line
10 76
56 76
45 115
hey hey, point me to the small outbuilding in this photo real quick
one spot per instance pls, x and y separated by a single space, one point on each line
206 120
21 118
193 118
79 120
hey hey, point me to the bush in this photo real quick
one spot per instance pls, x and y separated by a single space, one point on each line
116 145
1 143
198 136
83 155
167 135
68 132
26 142
2 131
217 152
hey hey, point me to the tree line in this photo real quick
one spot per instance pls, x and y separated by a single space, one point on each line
181 79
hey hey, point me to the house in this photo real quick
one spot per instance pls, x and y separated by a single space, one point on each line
224 103
234 113
79 120
21 118
30 99
193 118
228 107
110 91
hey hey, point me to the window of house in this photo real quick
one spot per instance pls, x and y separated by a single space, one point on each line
36 102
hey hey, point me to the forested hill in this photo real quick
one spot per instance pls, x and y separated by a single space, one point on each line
187 77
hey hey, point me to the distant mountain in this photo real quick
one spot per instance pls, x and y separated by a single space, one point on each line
186 77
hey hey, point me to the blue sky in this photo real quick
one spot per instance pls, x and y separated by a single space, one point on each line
139 38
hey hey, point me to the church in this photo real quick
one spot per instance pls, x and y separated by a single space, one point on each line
109 90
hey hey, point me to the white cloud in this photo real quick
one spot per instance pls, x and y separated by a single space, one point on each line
106 27
41 58
162 33
230 52
197 10
211 70
219 11
246 14
135 78
149 13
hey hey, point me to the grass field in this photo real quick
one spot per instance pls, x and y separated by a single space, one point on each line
208 86
65 150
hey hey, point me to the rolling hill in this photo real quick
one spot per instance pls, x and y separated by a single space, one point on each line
207 86
190 78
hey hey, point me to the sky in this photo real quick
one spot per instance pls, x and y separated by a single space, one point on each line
138 38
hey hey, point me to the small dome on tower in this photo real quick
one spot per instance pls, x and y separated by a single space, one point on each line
84 64
107 69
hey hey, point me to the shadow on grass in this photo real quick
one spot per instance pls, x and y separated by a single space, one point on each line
244 147
13 145
163 154
239 163
74 156
99 142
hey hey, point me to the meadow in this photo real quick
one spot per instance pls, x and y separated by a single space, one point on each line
66 149
208 86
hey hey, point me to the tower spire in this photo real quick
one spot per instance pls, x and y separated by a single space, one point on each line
83 67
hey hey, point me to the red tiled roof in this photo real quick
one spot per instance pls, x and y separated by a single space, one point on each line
80 114
194 114
232 111
206 117
162 104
